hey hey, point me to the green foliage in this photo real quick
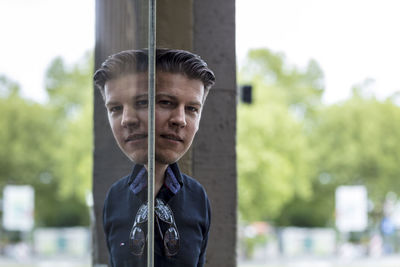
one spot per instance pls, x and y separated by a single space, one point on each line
352 143
316 211
293 151
356 143
7 87
49 145
273 156
62 212
70 95
67 86
28 133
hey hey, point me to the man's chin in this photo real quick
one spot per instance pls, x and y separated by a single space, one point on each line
138 159
159 159
166 159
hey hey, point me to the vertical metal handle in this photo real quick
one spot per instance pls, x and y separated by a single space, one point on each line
151 132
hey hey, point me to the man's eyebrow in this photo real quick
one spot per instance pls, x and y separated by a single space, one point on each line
140 96
112 103
194 103
166 95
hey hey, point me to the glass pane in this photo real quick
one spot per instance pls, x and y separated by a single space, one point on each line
122 77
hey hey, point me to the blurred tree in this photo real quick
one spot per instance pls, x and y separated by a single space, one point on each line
26 126
49 145
70 94
357 143
8 87
272 159
68 86
353 143
293 151
273 151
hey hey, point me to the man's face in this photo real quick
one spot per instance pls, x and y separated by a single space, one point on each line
178 107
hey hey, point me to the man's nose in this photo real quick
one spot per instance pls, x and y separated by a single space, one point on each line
129 117
178 117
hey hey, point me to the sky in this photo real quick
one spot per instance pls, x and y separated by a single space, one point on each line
352 40
34 32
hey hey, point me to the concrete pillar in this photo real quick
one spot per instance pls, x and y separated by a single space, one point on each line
207 28
214 152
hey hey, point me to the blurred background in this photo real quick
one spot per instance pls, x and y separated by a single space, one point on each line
318 141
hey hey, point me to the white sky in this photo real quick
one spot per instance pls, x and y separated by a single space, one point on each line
33 32
352 40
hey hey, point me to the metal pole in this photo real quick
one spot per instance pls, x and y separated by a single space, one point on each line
151 132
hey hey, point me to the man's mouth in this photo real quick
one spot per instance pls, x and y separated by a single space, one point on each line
134 137
172 137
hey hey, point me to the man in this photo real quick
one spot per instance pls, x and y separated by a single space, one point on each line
182 209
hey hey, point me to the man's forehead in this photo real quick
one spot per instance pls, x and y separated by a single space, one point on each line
140 80
127 80
142 77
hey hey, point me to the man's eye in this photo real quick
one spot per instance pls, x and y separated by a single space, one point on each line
165 103
192 109
115 109
141 103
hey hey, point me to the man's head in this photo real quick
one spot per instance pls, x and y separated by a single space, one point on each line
167 60
182 84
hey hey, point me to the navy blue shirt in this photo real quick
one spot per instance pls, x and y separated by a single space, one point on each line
188 202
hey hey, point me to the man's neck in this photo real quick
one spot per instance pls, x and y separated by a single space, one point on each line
159 176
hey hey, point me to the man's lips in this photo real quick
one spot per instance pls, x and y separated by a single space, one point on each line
135 137
173 137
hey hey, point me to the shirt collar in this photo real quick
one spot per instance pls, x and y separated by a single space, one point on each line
138 179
